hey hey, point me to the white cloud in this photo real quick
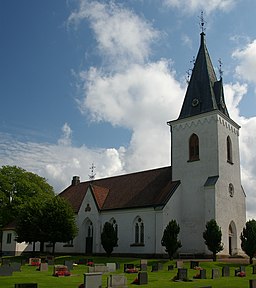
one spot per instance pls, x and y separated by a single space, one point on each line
66 137
247 58
209 6
122 37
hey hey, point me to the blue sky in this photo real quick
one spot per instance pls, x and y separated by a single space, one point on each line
96 81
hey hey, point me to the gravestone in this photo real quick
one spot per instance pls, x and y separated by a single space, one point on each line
179 264
26 285
100 268
50 260
242 268
194 264
6 270
111 267
154 267
142 278
160 266
182 274
254 269
170 267
117 266
5 261
15 266
143 265
43 267
215 273
203 274
225 271
252 283
117 281
93 280
69 264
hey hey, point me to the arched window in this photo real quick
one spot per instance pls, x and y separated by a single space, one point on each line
193 148
229 150
139 231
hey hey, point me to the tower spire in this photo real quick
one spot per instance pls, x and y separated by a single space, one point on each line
204 92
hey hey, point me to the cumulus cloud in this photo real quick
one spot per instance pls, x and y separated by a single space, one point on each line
247 62
66 137
197 5
122 37
131 91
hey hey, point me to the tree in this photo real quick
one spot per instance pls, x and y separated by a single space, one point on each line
17 186
108 238
51 220
170 238
248 239
58 223
28 223
212 236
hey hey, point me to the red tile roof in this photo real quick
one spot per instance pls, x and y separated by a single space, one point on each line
149 188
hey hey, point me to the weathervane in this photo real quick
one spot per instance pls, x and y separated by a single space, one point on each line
220 68
202 21
92 175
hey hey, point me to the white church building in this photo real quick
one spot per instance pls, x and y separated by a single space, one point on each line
202 183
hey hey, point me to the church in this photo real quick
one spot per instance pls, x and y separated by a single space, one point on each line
202 183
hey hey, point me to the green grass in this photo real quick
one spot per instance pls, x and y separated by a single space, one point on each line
160 279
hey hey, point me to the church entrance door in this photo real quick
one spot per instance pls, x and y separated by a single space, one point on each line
89 238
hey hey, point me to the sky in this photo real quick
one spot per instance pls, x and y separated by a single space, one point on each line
85 82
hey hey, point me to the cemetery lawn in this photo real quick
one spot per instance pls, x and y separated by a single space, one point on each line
161 279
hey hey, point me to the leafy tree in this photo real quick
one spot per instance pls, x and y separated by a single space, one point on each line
212 236
108 238
51 220
170 238
17 186
248 239
28 223
58 223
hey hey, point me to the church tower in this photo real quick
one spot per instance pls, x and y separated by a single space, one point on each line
205 158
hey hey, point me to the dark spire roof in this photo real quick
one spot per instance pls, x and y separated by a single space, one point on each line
204 92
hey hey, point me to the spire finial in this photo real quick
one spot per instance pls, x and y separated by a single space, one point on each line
202 21
220 68
92 175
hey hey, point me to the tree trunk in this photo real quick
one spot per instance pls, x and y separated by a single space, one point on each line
251 261
34 249
41 247
214 257
53 248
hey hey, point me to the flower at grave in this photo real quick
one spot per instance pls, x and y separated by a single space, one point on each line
241 274
198 268
135 281
197 276
90 263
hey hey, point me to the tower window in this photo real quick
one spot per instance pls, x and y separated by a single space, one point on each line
193 148
229 150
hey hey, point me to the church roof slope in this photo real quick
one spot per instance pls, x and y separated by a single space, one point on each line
149 188
204 92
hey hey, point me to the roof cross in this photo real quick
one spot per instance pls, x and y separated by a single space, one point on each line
202 21
92 175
